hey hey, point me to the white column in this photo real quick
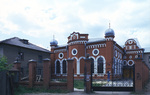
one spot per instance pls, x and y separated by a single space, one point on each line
95 67
104 68
78 67
61 68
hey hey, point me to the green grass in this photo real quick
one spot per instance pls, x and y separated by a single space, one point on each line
79 84
22 90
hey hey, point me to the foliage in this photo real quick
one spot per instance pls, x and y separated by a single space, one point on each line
22 90
3 63
79 84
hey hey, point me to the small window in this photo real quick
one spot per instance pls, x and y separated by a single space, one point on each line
21 56
130 47
40 58
149 59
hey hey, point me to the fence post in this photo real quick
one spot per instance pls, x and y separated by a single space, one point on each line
70 75
17 65
88 75
138 74
46 72
32 72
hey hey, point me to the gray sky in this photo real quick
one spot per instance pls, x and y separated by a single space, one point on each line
39 20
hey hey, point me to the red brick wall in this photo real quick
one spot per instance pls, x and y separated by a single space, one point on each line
145 74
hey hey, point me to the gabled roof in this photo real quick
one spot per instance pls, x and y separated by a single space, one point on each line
15 41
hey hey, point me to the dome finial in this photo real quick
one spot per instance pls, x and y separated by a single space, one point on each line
109 23
53 42
53 37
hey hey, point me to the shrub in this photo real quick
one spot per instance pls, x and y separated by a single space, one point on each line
3 64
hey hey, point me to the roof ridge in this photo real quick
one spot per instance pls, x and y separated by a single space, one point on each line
8 39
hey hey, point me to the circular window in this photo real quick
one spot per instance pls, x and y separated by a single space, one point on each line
61 55
130 41
95 52
130 62
124 62
74 51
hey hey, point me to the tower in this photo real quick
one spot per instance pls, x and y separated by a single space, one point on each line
109 36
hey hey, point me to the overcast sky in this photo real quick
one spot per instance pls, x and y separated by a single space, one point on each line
39 20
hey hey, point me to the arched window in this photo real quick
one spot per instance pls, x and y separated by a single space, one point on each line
92 65
100 65
57 67
64 67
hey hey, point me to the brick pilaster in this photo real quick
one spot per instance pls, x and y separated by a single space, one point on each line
70 75
88 75
138 74
32 72
46 72
17 65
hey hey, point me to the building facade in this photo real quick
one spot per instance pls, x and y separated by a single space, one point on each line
22 50
147 56
108 57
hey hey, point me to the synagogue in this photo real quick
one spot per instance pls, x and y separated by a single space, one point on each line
108 58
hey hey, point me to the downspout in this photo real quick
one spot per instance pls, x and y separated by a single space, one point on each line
85 48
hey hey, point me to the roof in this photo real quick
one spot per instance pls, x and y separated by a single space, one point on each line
147 49
15 41
96 40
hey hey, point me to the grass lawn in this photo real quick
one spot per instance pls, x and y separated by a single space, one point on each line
23 90
79 84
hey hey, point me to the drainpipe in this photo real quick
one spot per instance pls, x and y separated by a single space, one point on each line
85 48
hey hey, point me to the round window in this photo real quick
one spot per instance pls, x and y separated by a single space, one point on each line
95 52
130 62
61 55
74 51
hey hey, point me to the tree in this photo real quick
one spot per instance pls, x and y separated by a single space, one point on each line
3 64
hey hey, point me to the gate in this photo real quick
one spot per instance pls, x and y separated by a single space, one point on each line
114 81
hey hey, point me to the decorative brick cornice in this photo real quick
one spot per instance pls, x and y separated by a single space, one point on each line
77 42
95 46
60 50
134 52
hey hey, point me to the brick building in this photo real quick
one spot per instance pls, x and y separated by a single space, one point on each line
108 57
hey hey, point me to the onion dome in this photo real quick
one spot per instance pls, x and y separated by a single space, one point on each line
54 42
109 32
